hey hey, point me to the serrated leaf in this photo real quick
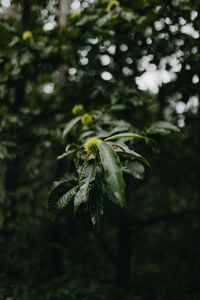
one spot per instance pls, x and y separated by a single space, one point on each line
67 177
103 187
59 189
70 125
135 155
86 178
127 135
113 172
67 197
135 169
129 152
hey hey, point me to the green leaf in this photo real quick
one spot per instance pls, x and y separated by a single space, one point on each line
113 172
65 154
96 207
86 178
105 134
127 135
162 127
130 152
3 152
128 16
118 107
86 19
66 178
70 125
86 134
67 197
61 194
158 130
135 169
104 20
103 187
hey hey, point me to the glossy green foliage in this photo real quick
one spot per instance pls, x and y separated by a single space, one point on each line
70 125
113 172
86 177
88 158
62 193
162 127
103 156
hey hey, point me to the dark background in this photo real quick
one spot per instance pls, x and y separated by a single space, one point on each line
151 249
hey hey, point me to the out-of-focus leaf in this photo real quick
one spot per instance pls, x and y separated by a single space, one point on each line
3 152
86 19
118 107
124 150
127 135
70 125
135 169
103 20
65 154
162 127
128 15
86 134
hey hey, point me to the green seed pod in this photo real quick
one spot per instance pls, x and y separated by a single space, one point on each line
75 15
77 109
27 35
112 4
92 144
87 120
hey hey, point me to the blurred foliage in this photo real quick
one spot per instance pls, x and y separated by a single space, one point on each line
151 248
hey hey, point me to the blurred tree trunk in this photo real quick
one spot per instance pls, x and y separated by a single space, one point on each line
20 85
64 10
54 231
26 13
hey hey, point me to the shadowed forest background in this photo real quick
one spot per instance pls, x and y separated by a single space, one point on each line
136 63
